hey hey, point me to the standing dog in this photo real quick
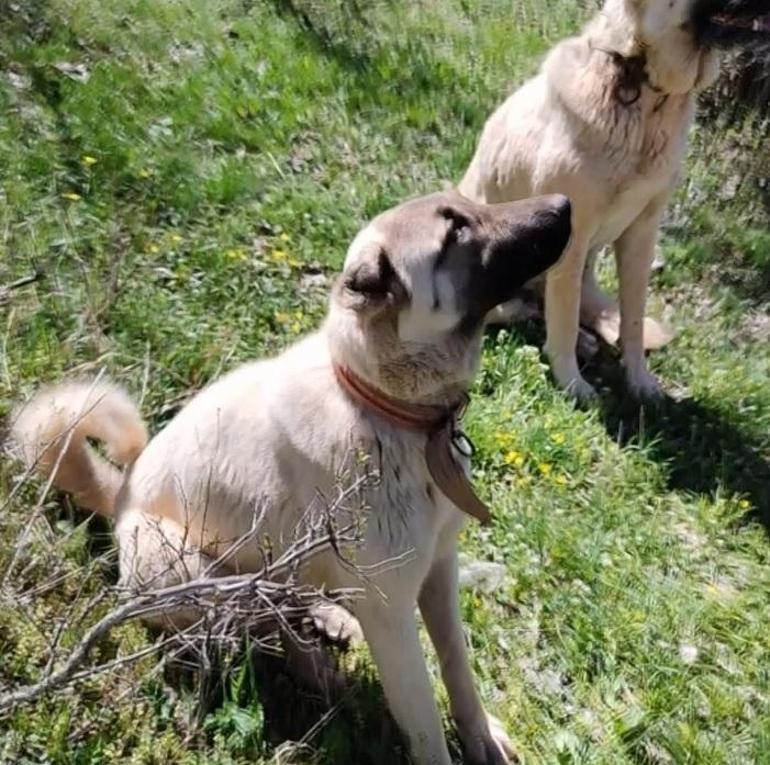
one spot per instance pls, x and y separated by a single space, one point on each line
380 383
606 122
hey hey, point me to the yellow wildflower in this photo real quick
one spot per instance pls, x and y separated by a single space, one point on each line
296 328
236 253
514 458
282 318
154 249
284 237
561 479
278 255
88 160
145 173
294 263
175 238
545 468
558 438
744 504
502 438
72 196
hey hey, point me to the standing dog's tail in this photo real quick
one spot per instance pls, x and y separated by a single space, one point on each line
52 431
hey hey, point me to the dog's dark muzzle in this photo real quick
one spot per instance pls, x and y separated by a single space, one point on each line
530 237
733 24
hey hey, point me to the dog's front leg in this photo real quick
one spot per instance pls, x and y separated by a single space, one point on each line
390 629
562 318
635 252
483 737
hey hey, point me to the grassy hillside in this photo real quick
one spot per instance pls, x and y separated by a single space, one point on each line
185 177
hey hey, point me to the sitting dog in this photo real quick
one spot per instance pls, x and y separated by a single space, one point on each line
606 122
381 384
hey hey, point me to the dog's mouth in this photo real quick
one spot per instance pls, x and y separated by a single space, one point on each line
733 23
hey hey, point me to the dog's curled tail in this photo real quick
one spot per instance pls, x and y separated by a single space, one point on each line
52 432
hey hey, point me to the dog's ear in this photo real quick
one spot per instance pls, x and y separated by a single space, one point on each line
371 282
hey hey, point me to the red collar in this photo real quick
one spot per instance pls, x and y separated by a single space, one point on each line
424 418
439 423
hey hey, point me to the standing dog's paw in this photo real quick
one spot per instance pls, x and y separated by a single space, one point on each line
644 385
336 623
567 375
487 743
581 390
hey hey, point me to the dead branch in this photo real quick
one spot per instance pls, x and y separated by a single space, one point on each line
227 593
7 289
261 603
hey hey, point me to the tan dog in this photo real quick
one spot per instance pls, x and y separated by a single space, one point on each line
380 385
606 122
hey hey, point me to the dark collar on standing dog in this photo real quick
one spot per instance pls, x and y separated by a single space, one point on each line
439 423
631 78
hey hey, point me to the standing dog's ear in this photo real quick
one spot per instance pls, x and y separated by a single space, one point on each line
371 283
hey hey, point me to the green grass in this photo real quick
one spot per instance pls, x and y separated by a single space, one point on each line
182 201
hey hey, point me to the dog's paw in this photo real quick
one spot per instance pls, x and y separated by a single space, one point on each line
487 743
336 623
567 375
643 385
581 390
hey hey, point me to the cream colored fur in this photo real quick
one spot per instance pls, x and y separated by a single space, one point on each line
55 426
617 157
275 437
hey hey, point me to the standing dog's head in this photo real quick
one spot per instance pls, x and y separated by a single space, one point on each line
408 311
679 38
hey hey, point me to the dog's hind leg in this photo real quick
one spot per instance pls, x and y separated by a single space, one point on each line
336 623
390 629
483 737
156 552
600 313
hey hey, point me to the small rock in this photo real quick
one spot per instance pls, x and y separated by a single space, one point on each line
77 72
659 263
688 653
482 575
19 81
313 281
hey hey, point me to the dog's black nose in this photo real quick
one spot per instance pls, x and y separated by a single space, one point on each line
554 216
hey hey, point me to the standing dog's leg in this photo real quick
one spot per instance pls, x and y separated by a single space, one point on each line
562 319
390 630
484 739
635 252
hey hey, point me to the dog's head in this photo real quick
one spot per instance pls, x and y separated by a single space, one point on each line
408 310
731 23
680 38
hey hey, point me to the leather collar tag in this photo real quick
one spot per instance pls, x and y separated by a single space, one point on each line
450 476
438 423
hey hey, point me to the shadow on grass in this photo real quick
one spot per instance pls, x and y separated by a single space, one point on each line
328 31
382 69
346 722
703 451
351 725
